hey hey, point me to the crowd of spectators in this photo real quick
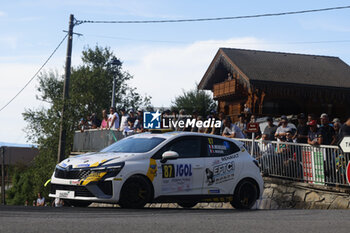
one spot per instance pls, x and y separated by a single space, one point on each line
128 121
307 129
303 129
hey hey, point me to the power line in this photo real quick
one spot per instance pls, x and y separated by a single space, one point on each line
47 60
77 22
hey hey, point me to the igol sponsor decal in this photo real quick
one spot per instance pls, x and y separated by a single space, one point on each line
178 170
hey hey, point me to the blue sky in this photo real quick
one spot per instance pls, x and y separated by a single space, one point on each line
163 58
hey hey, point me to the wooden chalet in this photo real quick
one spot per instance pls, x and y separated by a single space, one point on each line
274 83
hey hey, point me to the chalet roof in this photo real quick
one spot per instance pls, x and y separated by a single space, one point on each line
263 66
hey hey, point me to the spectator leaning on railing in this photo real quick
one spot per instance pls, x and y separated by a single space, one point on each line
281 131
95 121
104 123
302 130
327 131
113 119
138 124
124 120
270 130
241 123
314 135
83 125
231 130
337 126
219 130
310 117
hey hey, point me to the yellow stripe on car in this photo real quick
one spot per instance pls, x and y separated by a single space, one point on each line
152 169
93 177
95 164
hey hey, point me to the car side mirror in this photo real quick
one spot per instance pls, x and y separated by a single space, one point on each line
169 155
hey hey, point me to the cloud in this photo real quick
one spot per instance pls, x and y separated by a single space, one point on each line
9 41
28 19
164 72
14 76
324 25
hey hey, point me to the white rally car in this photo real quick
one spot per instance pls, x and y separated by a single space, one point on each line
181 167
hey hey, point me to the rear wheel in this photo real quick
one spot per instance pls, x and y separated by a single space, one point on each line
187 205
136 192
245 195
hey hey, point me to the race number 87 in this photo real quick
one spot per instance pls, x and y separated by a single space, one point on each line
168 171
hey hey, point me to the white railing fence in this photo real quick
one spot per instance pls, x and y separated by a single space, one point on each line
325 165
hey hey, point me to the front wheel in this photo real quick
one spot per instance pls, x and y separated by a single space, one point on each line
136 192
187 205
245 195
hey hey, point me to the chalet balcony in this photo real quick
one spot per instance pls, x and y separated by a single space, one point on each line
225 88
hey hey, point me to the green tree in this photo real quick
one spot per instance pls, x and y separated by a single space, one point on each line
90 92
194 100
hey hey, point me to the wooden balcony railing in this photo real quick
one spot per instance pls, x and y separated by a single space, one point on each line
225 88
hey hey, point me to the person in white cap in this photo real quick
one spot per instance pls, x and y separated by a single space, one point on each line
327 131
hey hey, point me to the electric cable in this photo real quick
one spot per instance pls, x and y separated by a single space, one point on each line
47 60
77 22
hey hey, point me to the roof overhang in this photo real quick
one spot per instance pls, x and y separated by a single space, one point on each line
218 69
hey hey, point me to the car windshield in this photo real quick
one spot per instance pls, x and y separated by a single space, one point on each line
134 145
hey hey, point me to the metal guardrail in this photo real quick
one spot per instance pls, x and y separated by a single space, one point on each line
324 165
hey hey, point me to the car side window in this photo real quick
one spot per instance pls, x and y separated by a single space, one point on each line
186 147
220 147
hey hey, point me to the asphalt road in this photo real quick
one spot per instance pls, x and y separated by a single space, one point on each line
47 219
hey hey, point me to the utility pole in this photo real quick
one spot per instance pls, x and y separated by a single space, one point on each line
115 63
2 150
63 131
113 91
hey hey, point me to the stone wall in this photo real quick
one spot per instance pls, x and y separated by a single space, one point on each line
281 194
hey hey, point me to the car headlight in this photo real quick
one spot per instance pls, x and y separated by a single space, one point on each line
111 170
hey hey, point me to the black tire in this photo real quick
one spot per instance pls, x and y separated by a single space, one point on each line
136 192
76 203
187 205
245 195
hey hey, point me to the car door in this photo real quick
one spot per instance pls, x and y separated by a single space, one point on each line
222 165
184 175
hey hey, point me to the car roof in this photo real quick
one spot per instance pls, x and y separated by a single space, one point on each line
175 134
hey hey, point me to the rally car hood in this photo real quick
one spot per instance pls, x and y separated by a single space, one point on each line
97 159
